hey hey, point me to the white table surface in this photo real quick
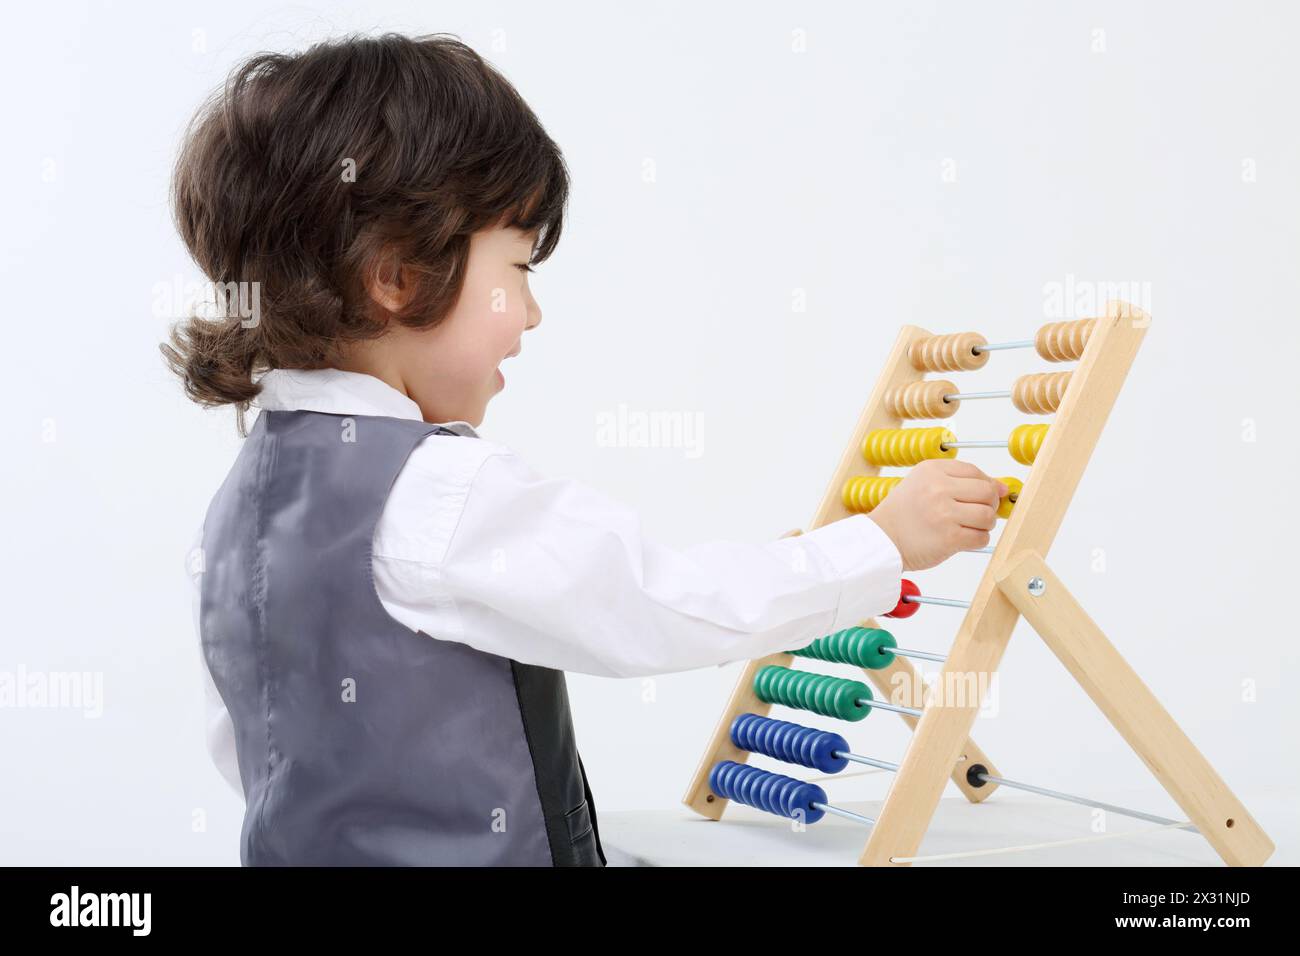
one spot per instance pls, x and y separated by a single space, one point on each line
748 837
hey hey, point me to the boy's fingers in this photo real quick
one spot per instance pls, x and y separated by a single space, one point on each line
978 490
964 469
961 469
971 540
979 517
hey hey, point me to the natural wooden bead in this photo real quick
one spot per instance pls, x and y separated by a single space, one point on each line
1063 341
922 399
1040 393
948 353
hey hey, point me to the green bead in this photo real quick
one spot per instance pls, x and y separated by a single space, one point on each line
819 693
859 646
876 648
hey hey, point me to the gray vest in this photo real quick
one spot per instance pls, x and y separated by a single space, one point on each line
361 742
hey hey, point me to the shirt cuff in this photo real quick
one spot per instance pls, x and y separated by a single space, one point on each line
868 564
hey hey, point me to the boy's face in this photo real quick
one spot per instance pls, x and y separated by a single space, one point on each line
451 371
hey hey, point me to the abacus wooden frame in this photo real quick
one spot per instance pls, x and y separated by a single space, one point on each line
941 747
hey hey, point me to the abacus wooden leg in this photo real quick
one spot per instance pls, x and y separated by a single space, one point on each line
943 732
1133 710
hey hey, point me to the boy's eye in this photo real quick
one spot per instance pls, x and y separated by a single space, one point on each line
524 266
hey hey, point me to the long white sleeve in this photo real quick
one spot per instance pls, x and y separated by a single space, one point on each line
476 547
553 572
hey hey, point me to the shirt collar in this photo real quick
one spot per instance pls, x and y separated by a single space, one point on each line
341 393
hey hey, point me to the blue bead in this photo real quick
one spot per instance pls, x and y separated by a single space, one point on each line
790 742
772 792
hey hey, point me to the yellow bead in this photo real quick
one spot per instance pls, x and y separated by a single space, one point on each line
903 447
1025 441
1014 487
865 492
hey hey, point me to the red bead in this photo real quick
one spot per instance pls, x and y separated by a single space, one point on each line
906 608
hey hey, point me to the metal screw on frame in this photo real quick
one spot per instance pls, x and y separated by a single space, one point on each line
1037 586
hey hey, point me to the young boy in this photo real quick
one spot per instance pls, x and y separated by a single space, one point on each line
387 602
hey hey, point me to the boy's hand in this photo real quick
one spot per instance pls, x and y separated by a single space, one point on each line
941 507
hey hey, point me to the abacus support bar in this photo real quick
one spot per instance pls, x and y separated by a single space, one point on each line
979 774
1085 801
1133 710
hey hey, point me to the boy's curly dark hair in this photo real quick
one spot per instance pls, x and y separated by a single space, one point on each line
441 146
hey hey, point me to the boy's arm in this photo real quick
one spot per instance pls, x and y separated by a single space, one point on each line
553 572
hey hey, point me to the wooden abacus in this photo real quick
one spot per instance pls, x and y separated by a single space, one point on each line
1016 582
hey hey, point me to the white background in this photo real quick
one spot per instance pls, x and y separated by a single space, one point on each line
1161 150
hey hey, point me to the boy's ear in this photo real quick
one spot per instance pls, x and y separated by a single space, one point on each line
389 282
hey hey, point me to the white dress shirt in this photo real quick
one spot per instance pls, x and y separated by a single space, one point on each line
474 546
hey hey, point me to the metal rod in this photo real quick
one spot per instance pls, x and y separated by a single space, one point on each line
846 814
1071 798
919 655
1030 788
973 444
989 550
869 761
863 702
995 346
959 395
946 602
